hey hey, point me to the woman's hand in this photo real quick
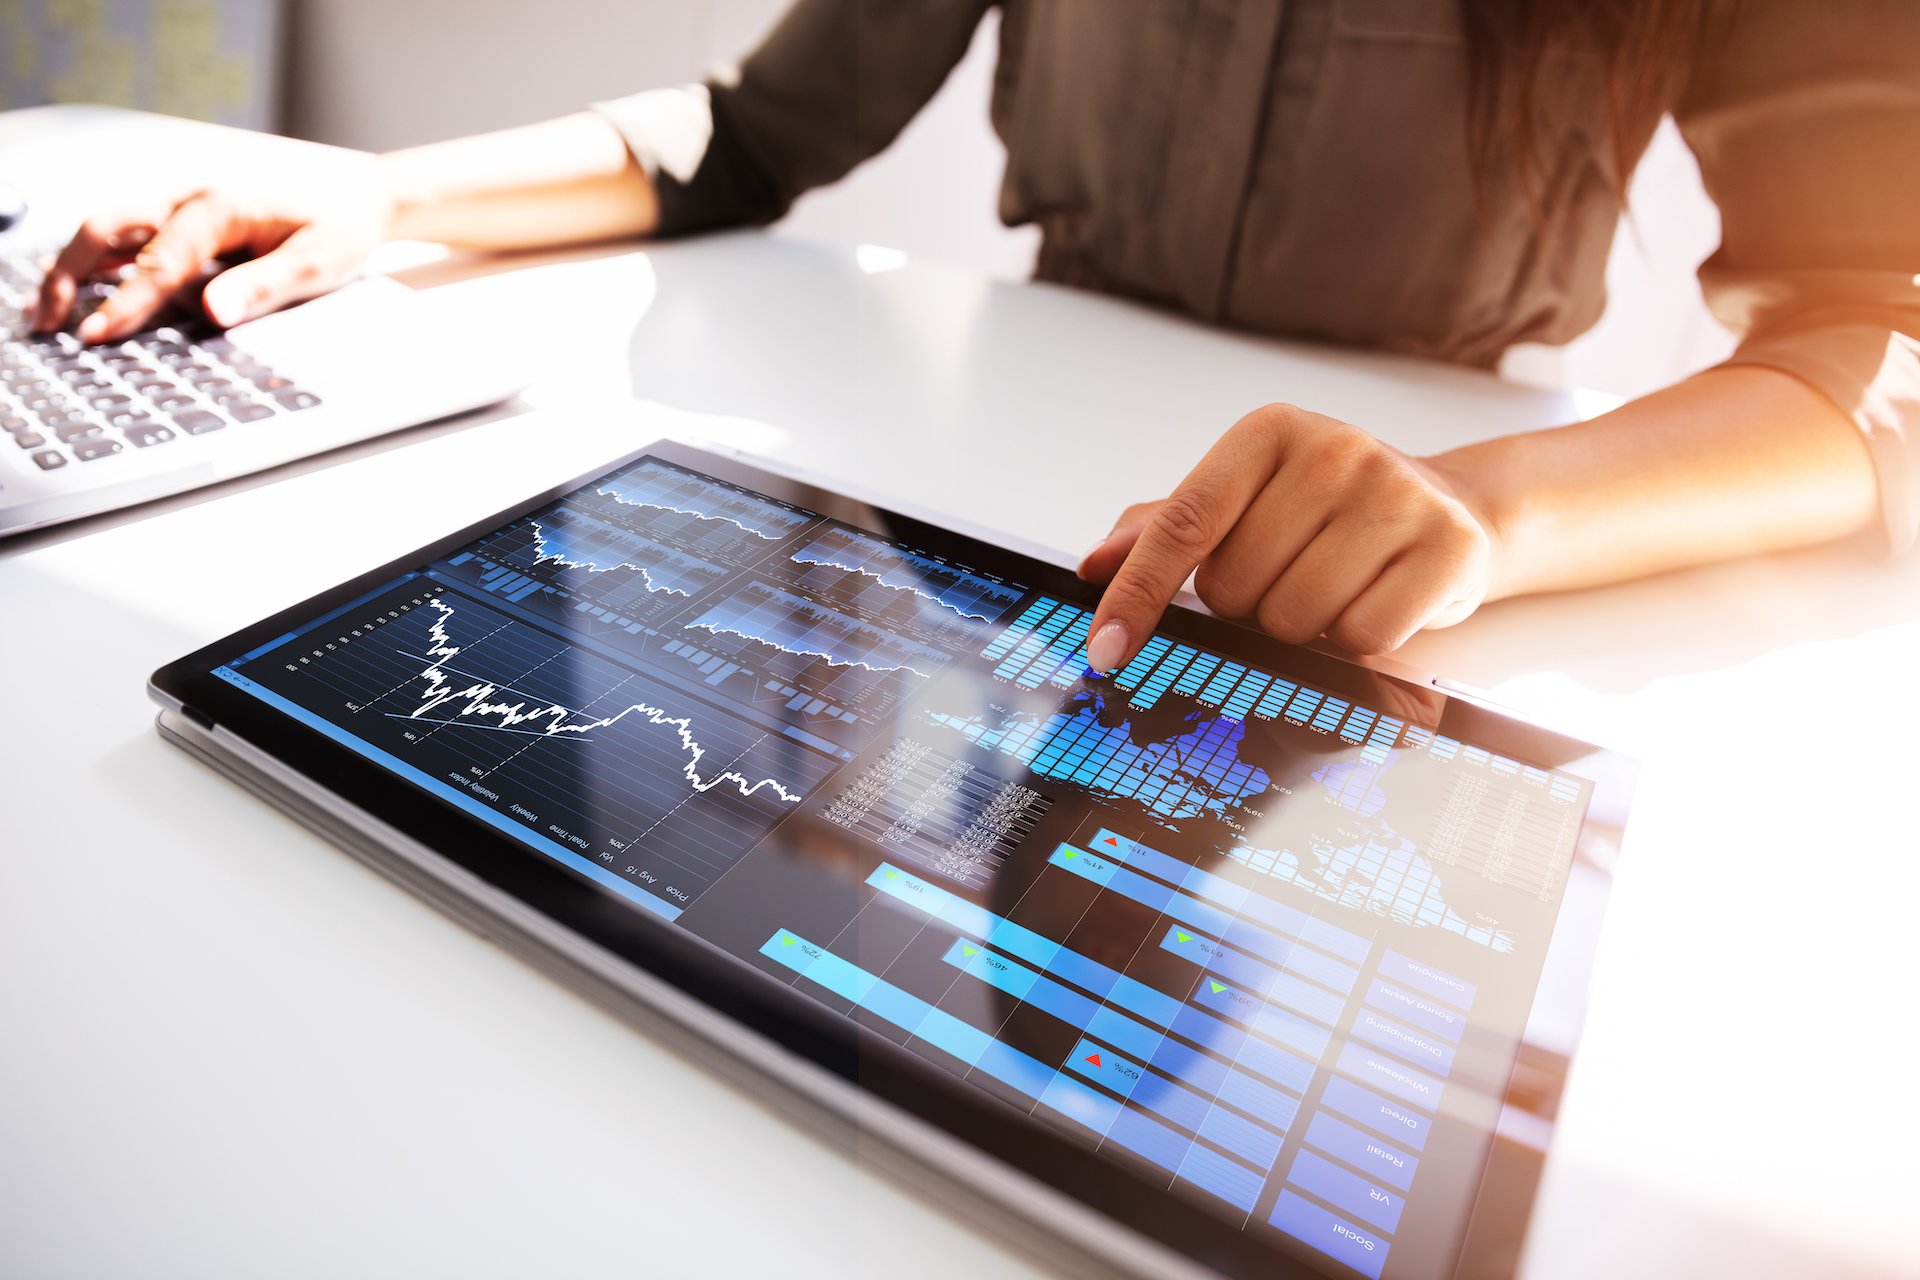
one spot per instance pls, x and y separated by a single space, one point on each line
1305 524
299 246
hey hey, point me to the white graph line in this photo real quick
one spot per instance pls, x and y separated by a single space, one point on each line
440 691
540 545
807 557
622 498
822 654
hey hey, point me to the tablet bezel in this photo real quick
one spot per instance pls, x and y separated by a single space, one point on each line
736 989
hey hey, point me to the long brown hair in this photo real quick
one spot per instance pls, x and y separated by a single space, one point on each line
1646 49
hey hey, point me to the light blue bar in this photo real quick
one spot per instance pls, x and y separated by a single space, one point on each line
1258 1100
1098 1063
1147 1137
944 1031
1241 1136
1275 698
1195 674
1009 1066
1130 676
1256 1055
995 970
1086 865
1019 628
1378 1071
1119 1030
1327 718
1180 1105
1278 1024
1078 1103
1381 1159
1303 704
1211 1171
1308 1222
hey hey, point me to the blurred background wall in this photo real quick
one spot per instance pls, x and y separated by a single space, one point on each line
380 74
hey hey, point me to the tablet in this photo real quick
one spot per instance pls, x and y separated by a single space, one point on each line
1243 960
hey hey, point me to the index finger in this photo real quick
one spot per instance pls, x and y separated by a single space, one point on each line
111 234
1193 520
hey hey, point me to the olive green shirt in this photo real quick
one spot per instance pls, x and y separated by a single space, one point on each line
1300 167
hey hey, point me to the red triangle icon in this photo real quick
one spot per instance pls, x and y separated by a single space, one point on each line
1094 1058
1113 842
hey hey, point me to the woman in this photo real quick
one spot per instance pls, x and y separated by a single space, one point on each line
1440 177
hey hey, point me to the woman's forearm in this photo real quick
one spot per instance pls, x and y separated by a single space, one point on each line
560 182
1731 462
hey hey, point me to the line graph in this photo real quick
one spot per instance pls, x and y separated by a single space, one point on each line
662 787
901 573
649 484
801 626
440 691
575 540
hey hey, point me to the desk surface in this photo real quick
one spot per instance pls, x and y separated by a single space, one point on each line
232 1051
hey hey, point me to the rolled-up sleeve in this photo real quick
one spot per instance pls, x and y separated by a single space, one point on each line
833 84
1806 123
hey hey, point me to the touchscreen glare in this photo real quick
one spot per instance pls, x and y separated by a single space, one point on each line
1267 942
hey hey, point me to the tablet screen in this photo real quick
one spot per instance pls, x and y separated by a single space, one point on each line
1266 937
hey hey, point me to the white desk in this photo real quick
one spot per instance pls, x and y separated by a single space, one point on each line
230 1051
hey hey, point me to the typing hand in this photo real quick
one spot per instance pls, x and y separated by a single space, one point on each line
300 246
1305 524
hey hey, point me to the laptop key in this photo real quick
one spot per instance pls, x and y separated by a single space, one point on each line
59 417
96 447
108 403
296 399
199 422
78 431
12 422
174 400
29 440
148 434
250 411
50 460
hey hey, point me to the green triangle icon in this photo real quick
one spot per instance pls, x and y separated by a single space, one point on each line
787 940
891 873
1184 937
969 951
1217 987
1071 853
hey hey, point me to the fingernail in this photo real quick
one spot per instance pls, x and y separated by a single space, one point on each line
92 328
1093 551
1108 646
222 310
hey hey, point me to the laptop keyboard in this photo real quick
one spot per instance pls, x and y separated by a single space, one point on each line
64 403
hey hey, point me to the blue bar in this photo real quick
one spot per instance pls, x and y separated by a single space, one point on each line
1327 719
1241 1136
1020 627
1411 1045
1196 1068
1130 676
1148 1137
1376 1112
1088 866
1211 1171
1275 699
1119 1030
1381 1072
1322 969
1258 1100
1261 979
1078 1103
1023 983
1346 1190
1098 1063
1308 1222
1246 1051
1395 967
1182 1106
1384 1161
1278 916
1287 1028
1303 704
1417 1010
1008 1065
1200 670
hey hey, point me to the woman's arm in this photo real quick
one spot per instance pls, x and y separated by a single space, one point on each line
1313 527
562 182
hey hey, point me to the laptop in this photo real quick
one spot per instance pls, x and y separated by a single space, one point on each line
1243 960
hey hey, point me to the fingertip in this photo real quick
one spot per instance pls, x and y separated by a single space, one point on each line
93 328
1109 646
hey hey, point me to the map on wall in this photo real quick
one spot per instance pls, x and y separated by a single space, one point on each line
211 60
